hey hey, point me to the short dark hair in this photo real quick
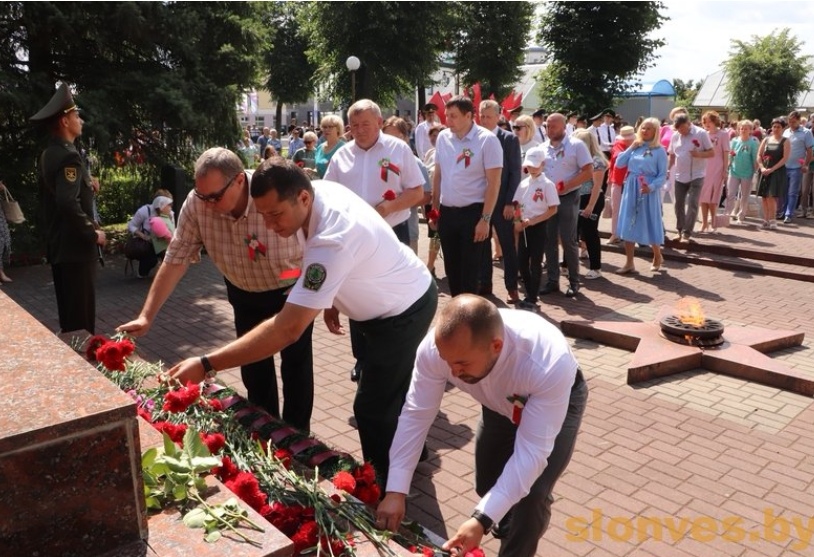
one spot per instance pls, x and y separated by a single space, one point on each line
794 114
281 175
780 121
681 119
477 314
462 103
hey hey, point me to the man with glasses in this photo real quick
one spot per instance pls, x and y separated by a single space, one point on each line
259 267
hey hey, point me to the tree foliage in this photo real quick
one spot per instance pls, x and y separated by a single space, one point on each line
596 50
686 91
162 76
765 75
398 44
488 43
290 73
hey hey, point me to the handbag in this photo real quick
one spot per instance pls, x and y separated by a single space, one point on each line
11 208
137 248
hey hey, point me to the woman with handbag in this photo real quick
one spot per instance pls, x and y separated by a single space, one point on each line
140 245
5 240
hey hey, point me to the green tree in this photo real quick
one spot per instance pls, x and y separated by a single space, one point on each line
488 43
686 91
290 71
596 50
160 77
398 44
765 75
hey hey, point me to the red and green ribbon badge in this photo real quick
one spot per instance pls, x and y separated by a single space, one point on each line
255 246
519 402
466 156
538 195
289 276
386 166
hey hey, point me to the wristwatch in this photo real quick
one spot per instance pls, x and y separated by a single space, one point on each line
484 520
209 371
486 217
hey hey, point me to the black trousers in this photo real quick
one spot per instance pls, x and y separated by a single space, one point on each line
357 339
463 257
75 286
391 346
528 519
296 360
588 230
504 228
530 249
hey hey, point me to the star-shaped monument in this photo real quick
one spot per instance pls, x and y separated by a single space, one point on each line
741 355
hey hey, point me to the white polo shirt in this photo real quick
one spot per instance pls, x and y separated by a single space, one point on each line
353 260
535 196
463 163
687 167
566 160
388 165
535 363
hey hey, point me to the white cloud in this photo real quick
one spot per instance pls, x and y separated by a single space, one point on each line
699 33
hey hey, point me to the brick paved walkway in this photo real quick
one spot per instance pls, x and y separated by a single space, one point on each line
660 470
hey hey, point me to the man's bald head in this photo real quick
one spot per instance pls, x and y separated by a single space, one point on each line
474 313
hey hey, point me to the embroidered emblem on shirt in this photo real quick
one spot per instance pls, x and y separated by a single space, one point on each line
70 173
538 195
315 276
255 246
386 167
466 156
519 402
648 153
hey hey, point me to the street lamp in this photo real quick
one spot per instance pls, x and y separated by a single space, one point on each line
353 64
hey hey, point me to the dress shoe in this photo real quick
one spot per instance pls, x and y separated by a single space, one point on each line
355 373
572 290
513 298
549 288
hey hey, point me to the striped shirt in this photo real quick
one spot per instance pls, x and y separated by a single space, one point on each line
251 257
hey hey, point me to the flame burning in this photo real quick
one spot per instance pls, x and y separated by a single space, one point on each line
689 311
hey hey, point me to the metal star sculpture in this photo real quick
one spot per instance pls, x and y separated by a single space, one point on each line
742 355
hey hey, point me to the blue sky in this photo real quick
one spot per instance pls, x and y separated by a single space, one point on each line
699 33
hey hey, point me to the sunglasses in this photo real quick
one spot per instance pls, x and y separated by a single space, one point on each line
518 127
218 195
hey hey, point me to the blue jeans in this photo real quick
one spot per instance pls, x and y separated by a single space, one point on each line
794 178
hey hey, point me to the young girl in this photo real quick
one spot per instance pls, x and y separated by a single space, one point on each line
742 168
535 201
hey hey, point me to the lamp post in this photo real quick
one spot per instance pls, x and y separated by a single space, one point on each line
353 64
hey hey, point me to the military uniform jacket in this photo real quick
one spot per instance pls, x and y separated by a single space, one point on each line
66 196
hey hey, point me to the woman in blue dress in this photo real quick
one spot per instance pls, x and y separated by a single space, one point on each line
640 216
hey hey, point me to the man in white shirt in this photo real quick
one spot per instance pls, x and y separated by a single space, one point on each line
607 131
422 131
352 263
690 146
383 171
539 117
568 165
465 185
521 370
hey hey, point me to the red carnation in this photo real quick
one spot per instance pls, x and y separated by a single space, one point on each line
215 404
433 215
94 343
246 486
368 494
227 470
306 536
174 431
344 481
560 186
213 441
112 354
389 195
285 519
181 399
301 164
477 552
801 161
331 546
732 153
427 551
284 456
144 413
696 142
365 474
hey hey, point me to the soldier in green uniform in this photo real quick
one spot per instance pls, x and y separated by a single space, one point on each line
66 197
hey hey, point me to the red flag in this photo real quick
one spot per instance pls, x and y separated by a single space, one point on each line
476 99
438 101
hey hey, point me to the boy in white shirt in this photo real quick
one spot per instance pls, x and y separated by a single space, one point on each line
535 201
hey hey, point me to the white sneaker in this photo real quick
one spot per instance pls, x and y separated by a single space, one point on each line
773 225
593 274
739 222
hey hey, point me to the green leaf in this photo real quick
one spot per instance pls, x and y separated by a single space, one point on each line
152 503
179 493
148 458
196 518
194 445
170 448
205 463
213 536
176 465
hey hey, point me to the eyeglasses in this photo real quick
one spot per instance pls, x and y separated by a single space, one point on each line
217 196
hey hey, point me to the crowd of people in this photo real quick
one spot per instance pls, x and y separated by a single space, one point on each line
332 228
